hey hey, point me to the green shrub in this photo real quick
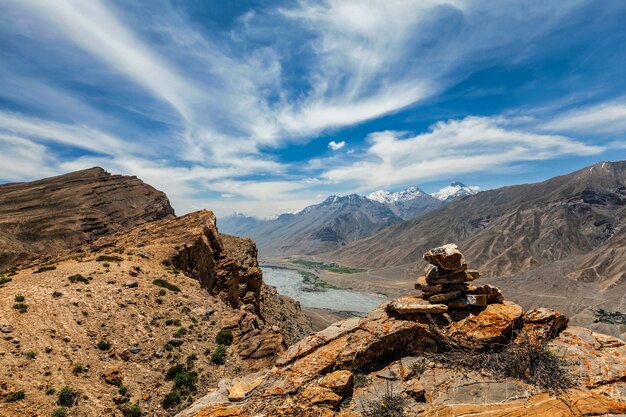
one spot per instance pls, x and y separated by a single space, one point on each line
67 397
19 298
163 283
131 410
224 337
78 278
219 355
172 322
122 389
59 412
158 300
109 258
31 354
186 381
169 347
191 359
50 391
21 307
44 269
78 369
16 396
180 332
104 345
162 292
4 280
171 400
106 264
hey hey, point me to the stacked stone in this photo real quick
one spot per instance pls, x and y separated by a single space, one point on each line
447 281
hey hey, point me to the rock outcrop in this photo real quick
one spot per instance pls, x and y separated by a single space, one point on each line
133 307
400 354
68 210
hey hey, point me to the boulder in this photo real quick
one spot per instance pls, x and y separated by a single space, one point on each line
338 381
414 304
446 257
243 386
456 278
495 324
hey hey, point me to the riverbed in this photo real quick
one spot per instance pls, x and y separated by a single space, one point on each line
292 283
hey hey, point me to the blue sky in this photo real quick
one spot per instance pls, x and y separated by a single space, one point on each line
267 106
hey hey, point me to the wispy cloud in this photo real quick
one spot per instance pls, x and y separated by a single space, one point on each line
597 119
203 113
452 148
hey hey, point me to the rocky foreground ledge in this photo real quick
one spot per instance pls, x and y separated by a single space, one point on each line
427 355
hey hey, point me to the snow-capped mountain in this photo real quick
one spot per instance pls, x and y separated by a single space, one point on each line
386 197
455 190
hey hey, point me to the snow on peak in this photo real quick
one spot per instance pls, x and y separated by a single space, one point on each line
455 190
384 197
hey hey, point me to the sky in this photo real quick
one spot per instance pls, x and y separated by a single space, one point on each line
265 107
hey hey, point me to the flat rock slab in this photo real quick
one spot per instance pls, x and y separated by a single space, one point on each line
444 296
457 278
447 257
413 305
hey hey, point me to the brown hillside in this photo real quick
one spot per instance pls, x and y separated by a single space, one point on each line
68 210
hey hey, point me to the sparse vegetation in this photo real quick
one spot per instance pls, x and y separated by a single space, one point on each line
171 400
163 283
131 410
60 412
360 379
169 347
529 361
67 397
180 332
44 269
184 382
610 317
19 298
118 250
21 307
106 264
78 278
50 391
158 300
327 266
172 322
109 258
122 390
79 368
16 396
104 345
162 292
4 280
191 359
224 337
418 367
31 354
219 355
390 404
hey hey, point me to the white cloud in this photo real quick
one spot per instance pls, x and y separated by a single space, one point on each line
603 118
335 146
473 144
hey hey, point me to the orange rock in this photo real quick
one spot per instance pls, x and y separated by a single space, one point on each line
319 395
113 376
495 324
338 381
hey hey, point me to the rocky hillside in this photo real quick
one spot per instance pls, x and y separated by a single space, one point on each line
538 241
68 210
437 357
145 319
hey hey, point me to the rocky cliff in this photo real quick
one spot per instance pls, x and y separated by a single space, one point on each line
147 318
436 357
65 211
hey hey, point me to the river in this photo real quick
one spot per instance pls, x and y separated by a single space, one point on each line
292 283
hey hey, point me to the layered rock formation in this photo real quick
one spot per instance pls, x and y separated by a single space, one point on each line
126 308
404 353
68 210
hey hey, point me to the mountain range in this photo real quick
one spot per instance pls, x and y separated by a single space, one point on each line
566 235
338 220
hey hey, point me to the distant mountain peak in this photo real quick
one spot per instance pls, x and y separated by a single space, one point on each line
455 190
386 197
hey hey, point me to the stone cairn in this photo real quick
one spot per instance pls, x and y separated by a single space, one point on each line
446 285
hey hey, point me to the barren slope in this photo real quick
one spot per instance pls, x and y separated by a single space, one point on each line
68 210
150 328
